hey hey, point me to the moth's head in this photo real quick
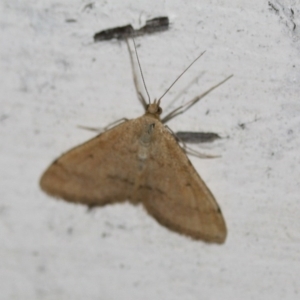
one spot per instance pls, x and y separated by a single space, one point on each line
154 108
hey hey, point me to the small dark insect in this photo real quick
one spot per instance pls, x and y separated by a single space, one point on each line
197 137
123 32
154 25
114 33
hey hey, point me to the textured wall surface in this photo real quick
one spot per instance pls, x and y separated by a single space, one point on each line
53 78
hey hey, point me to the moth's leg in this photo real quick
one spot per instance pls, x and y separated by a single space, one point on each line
178 139
181 93
188 150
193 152
181 109
108 127
135 79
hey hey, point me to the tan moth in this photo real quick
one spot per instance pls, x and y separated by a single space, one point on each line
141 161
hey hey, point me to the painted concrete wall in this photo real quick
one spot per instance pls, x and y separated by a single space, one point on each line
53 78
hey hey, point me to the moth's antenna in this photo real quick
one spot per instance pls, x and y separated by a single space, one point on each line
137 57
180 75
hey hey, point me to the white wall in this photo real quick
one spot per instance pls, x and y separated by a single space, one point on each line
53 78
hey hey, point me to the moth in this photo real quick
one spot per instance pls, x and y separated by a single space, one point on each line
197 137
123 32
141 161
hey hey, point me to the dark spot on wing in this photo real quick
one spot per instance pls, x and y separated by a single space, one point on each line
150 188
116 177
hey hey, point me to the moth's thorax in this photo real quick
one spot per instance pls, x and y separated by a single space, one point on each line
153 109
149 124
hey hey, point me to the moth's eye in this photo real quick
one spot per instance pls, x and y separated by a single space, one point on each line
159 111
